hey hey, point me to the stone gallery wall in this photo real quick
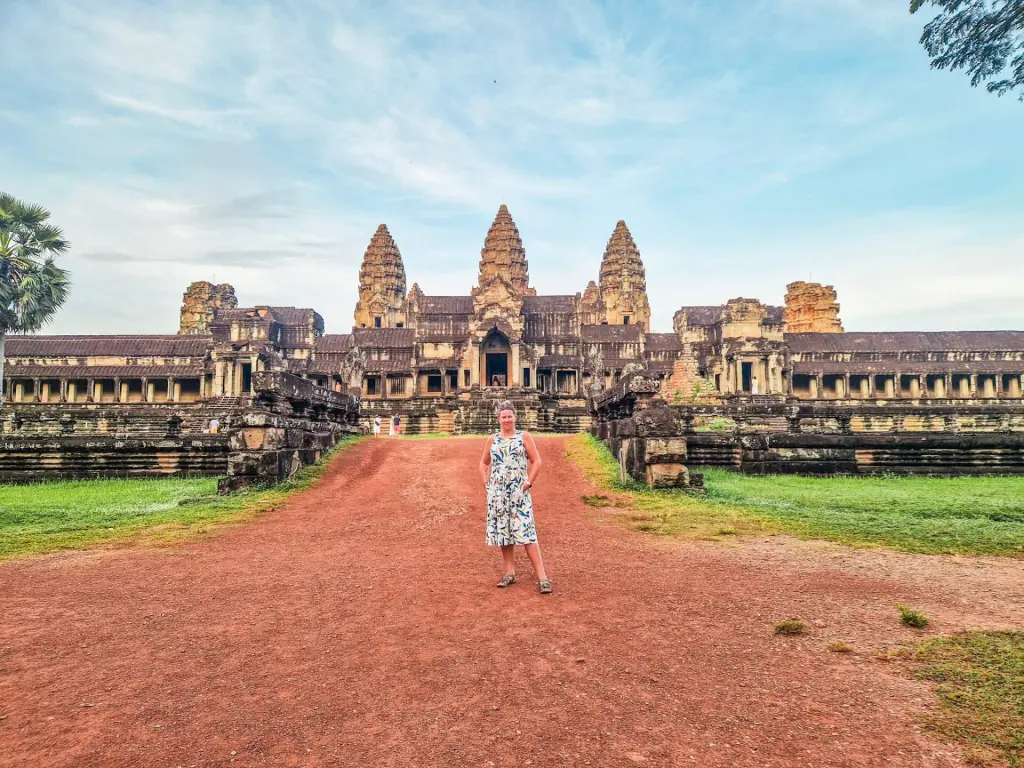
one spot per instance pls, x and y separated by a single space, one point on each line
48 441
288 423
660 444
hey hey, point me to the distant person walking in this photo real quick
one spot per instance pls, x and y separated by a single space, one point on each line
376 426
396 425
508 467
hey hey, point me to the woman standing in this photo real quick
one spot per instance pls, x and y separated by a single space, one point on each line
508 467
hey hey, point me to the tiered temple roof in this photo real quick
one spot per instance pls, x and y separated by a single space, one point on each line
155 345
503 254
623 280
381 282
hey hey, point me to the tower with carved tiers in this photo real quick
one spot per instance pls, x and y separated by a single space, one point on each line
623 284
381 284
496 326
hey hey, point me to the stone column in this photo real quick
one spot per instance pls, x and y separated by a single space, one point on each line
44 393
474 364
177 391
218 378
170 389
146 396
973 379
514 374
97 393
72 392
999 384
117 390
19 391
866 387
63 390
150 390
444 381
915 387
37 389
1015 386
890 386
846 386
947 385
816 384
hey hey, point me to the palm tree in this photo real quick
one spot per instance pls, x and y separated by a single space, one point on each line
32 287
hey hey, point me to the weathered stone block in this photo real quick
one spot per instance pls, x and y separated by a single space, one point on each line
667 476
262 463
256 438
658 422
665 450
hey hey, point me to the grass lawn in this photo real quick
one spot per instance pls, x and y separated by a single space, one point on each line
963 515
980 677
71 515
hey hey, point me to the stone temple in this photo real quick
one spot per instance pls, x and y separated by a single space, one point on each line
443 361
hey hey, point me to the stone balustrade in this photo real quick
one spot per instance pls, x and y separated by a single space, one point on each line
290 424
660 444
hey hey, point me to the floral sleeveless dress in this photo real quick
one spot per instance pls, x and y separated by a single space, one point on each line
509 507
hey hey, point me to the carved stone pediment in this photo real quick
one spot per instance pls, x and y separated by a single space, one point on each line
496 304
643 384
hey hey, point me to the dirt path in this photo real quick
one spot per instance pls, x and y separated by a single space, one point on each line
359 626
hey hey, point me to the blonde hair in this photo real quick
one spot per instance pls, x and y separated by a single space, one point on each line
505 405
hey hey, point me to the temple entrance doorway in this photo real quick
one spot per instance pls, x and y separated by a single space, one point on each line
496 351
497 369
746 372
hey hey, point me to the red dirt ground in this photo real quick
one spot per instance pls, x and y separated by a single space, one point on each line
359 626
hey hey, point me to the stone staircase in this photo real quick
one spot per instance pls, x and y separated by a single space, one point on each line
228 403
478 414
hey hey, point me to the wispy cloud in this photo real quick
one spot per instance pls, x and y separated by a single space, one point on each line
742 141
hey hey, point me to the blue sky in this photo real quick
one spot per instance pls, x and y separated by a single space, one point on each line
747 143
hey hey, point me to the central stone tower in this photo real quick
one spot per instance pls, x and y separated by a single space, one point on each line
504 257
496 327
381 284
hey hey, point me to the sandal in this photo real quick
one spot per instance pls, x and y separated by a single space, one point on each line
506 581
545 586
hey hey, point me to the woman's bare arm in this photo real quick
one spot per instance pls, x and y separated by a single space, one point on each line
485 461
533 455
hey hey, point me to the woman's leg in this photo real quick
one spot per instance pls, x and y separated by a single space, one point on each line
533 552
508 554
